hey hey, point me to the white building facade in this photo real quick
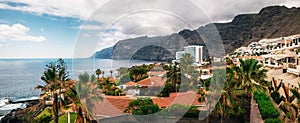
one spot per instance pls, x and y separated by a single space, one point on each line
195 51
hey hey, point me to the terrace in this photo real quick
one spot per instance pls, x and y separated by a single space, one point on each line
284 44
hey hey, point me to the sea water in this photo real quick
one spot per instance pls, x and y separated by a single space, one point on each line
18 77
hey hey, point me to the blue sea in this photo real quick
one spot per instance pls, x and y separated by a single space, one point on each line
18 77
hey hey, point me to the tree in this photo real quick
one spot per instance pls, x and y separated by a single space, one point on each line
84 78
142 106
93 78
103 74
111 72
124 78
98 72
173 76
225 106
250 75
86 93
73 97
185 62
122 70
137 73
54 76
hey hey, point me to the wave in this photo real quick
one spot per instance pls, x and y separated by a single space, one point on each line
25 99
4 101
13 106
9 104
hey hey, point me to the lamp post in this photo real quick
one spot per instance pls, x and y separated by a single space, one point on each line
69 117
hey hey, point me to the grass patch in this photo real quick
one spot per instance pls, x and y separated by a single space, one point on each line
273 120
45 112
64 118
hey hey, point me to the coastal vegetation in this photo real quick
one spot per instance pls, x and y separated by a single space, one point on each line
60 96
241 83
55 76
142 106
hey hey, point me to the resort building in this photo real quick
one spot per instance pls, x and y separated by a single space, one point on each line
196 52
284 43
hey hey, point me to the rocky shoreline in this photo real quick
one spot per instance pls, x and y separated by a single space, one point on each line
16 115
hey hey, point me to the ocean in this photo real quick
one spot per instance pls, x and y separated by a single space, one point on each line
18 77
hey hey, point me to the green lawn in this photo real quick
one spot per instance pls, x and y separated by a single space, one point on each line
45 112
61 119
64 118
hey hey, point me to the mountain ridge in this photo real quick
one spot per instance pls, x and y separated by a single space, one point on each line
270 22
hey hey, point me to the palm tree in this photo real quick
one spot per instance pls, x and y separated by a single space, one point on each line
185 62
87 94
225 106
103 74
251 76
54 77
111 72
73 97
98 72
173 76
63 77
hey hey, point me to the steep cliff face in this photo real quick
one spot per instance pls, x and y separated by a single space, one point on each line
270 22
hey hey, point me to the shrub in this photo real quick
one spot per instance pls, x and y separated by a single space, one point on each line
164 93
180 110
193 112
273 120
265 105
124 78
44 119
177 110
142 106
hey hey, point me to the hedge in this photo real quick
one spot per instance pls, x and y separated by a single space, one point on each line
272 120
265 106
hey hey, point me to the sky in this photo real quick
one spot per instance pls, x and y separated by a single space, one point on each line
69 28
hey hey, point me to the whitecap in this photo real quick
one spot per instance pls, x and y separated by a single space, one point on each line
26 99
4 101
13 106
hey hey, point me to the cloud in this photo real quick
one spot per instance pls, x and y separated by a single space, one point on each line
17 32
90 27
81 9
140 18
117 19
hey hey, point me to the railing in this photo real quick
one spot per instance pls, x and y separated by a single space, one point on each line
294 69
292 66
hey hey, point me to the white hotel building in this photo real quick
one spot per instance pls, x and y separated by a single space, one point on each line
195 51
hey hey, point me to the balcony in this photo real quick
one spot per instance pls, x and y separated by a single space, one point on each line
293 69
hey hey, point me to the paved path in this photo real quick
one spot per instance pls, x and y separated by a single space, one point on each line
255 116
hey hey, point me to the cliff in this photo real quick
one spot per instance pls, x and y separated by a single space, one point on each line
270 22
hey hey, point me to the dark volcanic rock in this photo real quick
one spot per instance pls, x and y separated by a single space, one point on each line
104 53
154 53
270 22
